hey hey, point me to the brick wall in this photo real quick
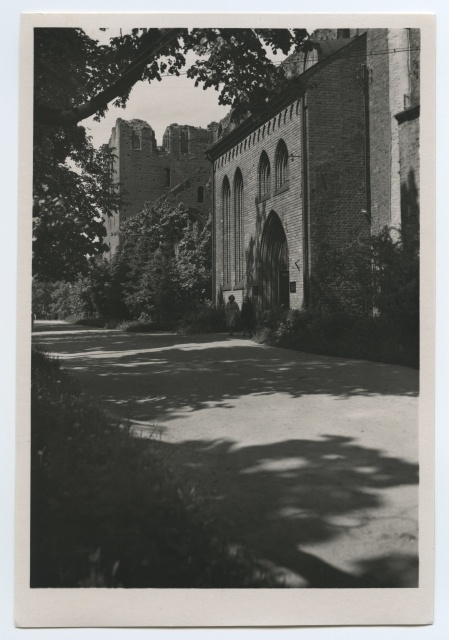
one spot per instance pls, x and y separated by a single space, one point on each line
393 86
415 44
400 96
336 162
380 127
336 151
285 125
409 175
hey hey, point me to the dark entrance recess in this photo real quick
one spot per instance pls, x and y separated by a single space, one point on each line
274 265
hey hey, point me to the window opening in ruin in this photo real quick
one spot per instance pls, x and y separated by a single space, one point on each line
167 177
184 141
200 194
226 212
281 165
239 240
136 140
264 175
166 141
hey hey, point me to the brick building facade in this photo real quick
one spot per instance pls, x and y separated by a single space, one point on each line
330 160
146 171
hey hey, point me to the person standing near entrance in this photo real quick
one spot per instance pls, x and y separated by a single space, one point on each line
247 317
232 313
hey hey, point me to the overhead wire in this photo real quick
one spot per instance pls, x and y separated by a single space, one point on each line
350 55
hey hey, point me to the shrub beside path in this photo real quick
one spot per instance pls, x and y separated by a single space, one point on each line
310 462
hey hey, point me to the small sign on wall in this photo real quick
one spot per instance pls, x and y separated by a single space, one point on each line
292 287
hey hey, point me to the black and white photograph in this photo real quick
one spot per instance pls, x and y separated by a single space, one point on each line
226 220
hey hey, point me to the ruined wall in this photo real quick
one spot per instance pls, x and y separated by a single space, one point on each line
146 172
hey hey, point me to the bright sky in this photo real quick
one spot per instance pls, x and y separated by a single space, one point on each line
174 99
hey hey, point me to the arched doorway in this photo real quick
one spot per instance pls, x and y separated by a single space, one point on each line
274 265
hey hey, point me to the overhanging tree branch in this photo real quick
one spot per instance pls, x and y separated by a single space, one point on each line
45 114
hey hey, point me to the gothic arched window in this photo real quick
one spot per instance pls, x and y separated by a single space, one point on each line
239 239
281 164
226 213
166 177
264 176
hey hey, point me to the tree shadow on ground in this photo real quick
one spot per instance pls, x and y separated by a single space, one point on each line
280 499
275 499
158 374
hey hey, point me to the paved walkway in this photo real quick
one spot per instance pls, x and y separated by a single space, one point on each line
311 461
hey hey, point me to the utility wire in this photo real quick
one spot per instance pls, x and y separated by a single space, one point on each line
386 52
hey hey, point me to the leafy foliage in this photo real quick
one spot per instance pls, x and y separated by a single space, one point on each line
76 77
71 179
166 258
205 318
96 293
378 273
235 62
161 270
365 303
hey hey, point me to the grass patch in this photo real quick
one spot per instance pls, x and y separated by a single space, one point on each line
140 326
106 508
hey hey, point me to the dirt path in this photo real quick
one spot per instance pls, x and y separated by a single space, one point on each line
311 461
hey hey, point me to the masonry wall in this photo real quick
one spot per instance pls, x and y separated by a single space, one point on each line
378 67
409 144
400 99
146 172
414 70
334 103
393 67
409 175
336 143
286 125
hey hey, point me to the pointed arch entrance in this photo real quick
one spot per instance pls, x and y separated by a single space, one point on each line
274 264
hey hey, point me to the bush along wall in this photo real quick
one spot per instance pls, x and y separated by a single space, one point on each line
365 303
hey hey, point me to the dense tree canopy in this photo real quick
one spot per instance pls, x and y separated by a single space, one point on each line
76 77
164 261
161 270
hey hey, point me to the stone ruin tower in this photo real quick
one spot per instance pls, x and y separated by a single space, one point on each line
146 171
